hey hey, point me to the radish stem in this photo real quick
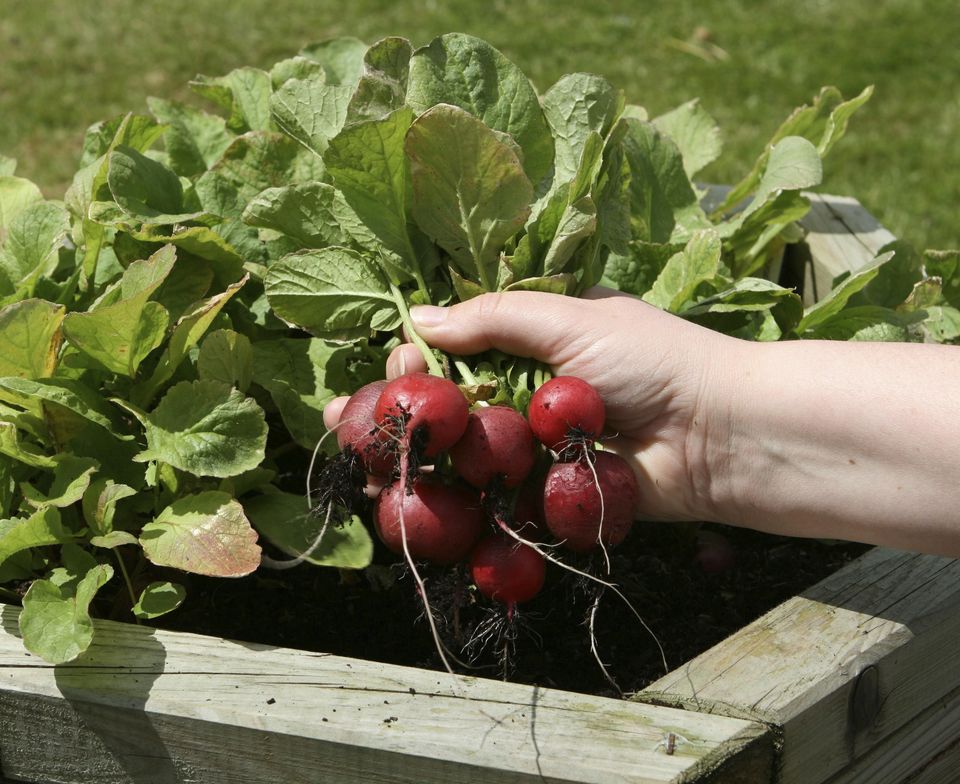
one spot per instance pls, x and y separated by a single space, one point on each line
432 364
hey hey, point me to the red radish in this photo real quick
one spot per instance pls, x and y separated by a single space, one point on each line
358 431
506 570
442 522
428 412
566 410
497 442
578 514
715 554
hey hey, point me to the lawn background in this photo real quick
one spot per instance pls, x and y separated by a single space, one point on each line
67 63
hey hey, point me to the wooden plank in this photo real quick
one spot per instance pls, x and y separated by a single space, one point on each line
798 666
145 705
842 237
927 749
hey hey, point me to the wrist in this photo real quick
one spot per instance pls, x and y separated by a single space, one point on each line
715 450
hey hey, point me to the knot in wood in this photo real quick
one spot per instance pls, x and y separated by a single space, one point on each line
865 699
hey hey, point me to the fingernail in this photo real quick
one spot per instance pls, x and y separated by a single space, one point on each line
427 315
401 363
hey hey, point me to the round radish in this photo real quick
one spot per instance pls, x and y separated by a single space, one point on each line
564 411
442 522
506 570
497 442
358 431
715 554
572 507
428 411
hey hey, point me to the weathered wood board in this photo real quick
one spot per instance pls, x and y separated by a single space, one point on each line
151 706
841 237
857 664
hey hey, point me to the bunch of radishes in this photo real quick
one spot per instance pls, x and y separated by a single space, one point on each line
462 485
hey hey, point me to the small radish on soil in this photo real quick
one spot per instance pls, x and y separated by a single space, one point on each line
566 412
441 522
497 442
591 502
506 571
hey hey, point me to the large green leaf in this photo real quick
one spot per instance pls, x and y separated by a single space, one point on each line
466 72
207 533
252 163
226 356
383 83
145 189
836 300
697 263
188 331
44 527
752 295
635 271
369 167
55 622
331 292
287 523
311 110
205 428
341 59
663 204
694 132
31 337
29 243
865 322
575 106
895 280
244 93
311 214
578 221
74 396
194 140
16 194
470 191
120 335
224 260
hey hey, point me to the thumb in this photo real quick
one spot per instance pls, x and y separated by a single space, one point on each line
522 323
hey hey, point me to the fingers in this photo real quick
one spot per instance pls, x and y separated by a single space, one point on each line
405 358
332 412
522 323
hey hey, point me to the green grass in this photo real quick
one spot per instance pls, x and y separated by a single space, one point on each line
65 64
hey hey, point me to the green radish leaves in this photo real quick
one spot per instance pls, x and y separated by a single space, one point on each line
172 330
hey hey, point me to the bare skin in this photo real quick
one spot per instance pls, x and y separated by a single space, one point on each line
805 438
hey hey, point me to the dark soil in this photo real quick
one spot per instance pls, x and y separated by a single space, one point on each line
376 614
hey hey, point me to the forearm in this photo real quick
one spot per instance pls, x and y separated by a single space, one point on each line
839 440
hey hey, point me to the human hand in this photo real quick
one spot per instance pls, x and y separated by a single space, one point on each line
653 370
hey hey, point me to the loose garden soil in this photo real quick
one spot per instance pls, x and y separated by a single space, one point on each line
376 615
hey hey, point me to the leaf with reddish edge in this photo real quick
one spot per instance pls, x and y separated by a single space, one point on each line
207 533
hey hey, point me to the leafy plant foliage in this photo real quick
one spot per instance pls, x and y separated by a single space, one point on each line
172 329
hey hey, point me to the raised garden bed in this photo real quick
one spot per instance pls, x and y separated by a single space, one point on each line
849 681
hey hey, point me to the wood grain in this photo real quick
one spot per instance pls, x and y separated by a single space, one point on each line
797 667
153 706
